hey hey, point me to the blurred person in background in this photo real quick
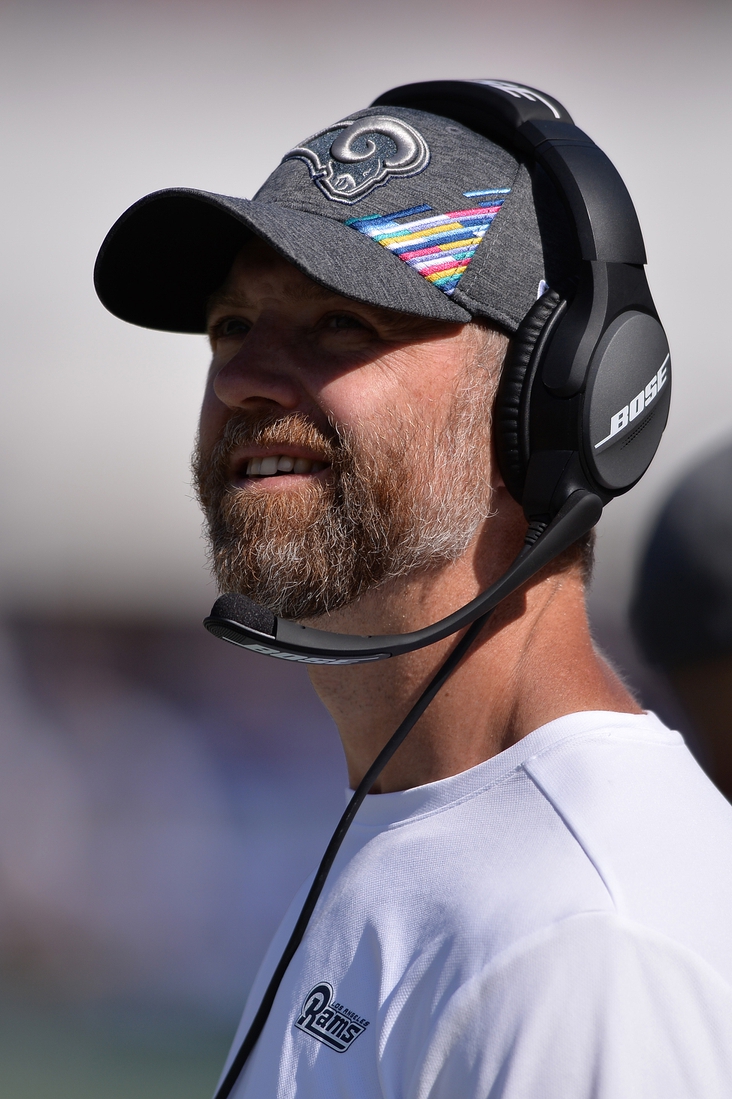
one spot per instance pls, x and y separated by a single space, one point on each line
523 906
682 606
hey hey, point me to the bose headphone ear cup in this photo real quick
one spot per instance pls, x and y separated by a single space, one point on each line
510 414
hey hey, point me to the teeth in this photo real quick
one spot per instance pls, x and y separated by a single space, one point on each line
268 466
281 463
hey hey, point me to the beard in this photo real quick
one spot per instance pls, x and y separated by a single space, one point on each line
402 497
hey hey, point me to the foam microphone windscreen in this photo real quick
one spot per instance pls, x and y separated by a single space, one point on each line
239 608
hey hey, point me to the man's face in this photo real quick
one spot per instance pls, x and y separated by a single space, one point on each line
340 445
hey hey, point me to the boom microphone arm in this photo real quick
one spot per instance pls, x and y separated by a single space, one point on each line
239 620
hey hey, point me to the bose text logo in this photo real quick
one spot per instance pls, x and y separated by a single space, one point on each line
332 1024
518 91
299 658
641 400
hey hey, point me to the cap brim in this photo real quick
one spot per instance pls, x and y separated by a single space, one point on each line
167 254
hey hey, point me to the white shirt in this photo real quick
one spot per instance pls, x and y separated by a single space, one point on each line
555 923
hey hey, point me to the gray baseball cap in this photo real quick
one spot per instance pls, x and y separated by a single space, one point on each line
394 207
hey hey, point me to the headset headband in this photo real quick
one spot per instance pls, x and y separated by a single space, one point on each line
532 122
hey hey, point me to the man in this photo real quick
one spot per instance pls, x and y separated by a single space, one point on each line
536 898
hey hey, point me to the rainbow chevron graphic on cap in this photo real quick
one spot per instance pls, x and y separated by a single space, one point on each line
439 248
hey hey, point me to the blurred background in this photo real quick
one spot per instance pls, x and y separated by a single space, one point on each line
162 795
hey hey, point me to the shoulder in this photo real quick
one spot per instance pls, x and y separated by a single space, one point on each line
653 825
593 1005
597 812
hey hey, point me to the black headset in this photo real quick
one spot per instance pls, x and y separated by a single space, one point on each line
584 394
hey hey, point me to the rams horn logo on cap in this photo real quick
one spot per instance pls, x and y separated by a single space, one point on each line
350 160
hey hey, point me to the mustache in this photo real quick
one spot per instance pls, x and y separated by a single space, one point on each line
269 429
212 468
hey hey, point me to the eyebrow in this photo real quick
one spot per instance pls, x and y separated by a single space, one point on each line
309 291
220 298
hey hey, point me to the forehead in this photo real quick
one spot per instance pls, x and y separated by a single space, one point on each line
259 272
258 268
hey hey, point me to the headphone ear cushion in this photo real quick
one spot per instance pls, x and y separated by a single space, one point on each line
511 409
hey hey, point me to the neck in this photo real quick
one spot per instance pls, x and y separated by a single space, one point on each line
534 662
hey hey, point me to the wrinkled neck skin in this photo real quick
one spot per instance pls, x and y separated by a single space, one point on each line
534 662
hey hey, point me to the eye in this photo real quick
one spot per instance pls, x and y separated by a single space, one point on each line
230 326
340 322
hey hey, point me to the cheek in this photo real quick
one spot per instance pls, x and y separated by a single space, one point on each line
395 383
351 400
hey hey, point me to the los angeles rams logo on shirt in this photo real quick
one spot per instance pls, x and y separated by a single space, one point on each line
331 1023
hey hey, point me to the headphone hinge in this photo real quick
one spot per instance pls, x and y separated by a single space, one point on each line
570 350
543 475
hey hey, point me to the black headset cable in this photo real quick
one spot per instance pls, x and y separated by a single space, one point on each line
443 673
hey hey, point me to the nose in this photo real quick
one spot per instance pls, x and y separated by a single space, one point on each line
263 372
